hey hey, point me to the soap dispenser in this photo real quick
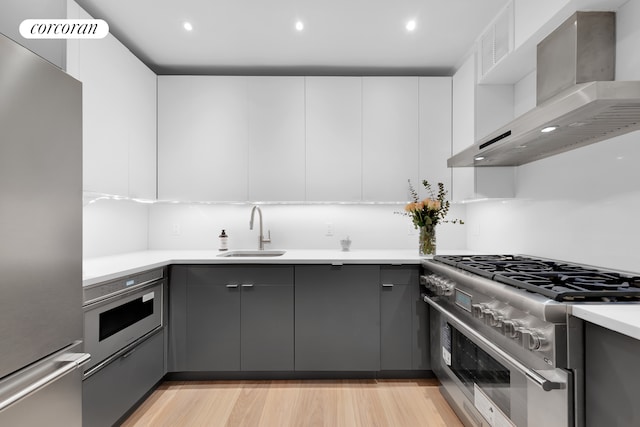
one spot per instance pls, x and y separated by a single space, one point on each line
224 241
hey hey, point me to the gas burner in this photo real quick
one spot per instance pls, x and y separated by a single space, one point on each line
492 258
585 286
557 280
528 266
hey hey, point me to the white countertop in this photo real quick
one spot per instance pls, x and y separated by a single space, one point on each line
96 270
622 318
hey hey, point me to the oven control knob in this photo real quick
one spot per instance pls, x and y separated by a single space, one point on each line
511 328
444 288
476 310
487 314
496 319
533 339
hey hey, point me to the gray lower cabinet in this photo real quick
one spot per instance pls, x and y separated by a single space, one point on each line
231 318
337 318
612 378
108 394
404 329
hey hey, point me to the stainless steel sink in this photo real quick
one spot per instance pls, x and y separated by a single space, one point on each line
257 253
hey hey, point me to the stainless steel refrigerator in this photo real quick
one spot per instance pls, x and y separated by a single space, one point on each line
40 242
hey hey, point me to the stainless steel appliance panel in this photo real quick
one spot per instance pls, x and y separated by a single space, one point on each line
113 323
47 393
505 391
40 208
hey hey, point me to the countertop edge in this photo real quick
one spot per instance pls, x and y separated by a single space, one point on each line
621 318
108 268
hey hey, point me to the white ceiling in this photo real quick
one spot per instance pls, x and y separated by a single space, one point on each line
259 36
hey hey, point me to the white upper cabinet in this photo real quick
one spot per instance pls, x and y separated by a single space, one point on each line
203 137
390 137
301 138
464 133
119 116
140 108
333 138
435 130
478 110
276 138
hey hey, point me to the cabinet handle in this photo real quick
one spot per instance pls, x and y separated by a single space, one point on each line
387 285
232 285
129 353
247 285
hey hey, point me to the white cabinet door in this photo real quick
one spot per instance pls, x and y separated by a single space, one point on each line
119 115
390 137
276 138
435 131
104 126
333 138
140 111
464 104
202 138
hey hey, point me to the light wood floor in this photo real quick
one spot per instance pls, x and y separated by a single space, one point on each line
296 403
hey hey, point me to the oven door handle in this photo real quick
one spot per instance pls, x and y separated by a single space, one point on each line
544 383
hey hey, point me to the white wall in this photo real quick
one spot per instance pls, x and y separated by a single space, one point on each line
581 205
114 226
197 226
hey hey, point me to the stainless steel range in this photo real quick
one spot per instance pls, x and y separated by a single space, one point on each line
504 346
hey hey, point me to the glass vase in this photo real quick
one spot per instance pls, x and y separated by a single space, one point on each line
427 241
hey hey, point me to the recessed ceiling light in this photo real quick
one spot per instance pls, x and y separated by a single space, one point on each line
411 25
299 25
478 158
549 129
187 26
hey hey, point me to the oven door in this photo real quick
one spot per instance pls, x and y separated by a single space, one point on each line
113 323
488 387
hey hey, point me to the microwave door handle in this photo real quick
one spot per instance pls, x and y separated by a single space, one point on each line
541 381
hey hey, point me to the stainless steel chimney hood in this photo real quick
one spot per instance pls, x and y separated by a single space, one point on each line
573 110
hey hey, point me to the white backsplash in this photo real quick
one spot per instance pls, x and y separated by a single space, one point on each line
197 226
114 226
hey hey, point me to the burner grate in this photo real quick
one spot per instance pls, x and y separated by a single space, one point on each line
561 286
560 281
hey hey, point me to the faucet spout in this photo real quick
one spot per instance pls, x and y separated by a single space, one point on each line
261 239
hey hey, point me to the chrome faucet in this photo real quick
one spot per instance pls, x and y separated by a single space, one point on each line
261 239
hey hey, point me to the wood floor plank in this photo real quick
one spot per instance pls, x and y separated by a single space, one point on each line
348 403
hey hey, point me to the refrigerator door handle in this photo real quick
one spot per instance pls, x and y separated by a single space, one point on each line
73 362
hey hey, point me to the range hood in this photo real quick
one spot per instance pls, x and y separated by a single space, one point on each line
578 101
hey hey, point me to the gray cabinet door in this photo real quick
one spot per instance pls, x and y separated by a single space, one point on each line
395 323
231 318
213 321
420 336
612 378
267 327
337 318
404 328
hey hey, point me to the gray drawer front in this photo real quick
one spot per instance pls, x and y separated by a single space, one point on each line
400 275
110 393
239 274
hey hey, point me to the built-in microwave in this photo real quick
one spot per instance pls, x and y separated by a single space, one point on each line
115 322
